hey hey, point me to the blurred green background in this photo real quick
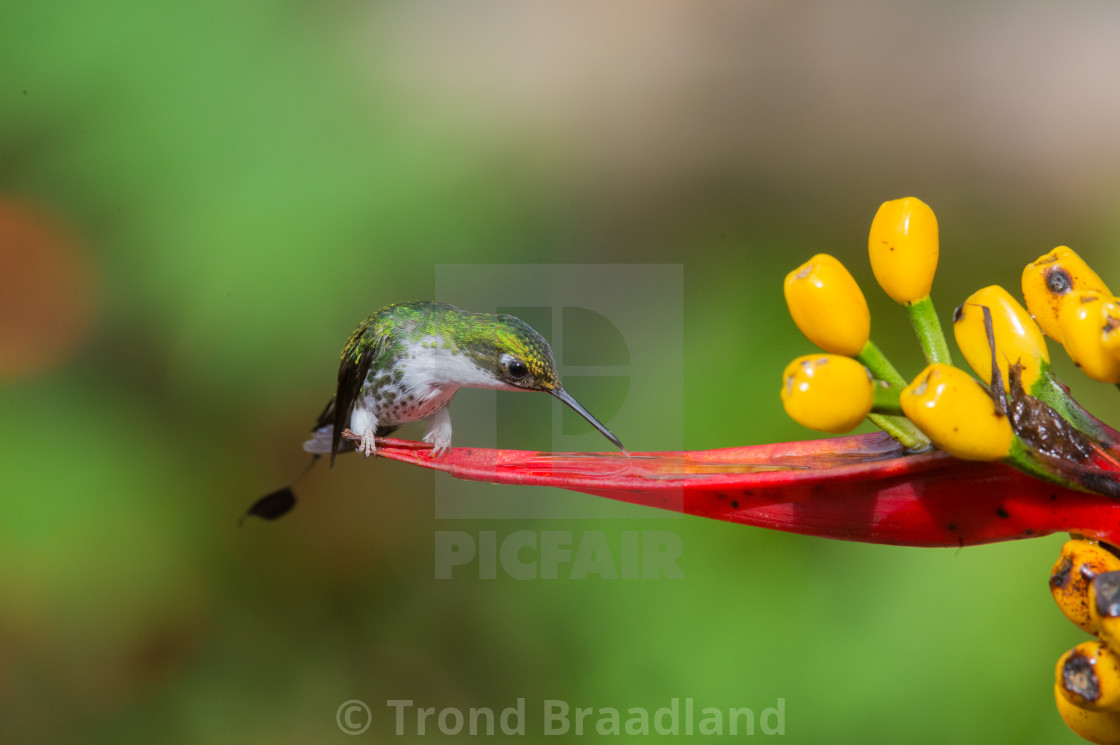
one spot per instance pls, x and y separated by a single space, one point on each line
199 200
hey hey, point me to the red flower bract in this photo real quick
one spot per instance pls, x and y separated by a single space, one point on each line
860 488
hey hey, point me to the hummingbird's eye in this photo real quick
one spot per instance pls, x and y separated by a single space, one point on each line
517 369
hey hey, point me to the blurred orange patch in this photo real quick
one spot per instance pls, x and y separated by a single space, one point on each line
47 290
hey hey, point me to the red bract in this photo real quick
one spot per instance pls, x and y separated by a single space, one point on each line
861 488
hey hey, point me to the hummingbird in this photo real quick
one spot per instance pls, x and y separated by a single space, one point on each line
404 364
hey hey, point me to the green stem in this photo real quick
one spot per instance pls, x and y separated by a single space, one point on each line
901 429
1021 458
1067 473
923 317
1051 392
886 399
880 367
888 420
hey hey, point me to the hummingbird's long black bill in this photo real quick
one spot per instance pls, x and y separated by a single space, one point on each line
566 397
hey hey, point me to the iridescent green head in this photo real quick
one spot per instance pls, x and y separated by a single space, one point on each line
519 357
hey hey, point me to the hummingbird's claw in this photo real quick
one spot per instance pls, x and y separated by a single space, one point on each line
439 432
367 446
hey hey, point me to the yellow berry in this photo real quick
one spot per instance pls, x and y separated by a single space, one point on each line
903 247
827 392
957 414
1017 336
1104 606
1080 561
1050 278
1101 727
1110 339
1110 331
1089 676
1083 318
828 306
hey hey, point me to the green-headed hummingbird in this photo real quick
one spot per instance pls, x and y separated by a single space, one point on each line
406 362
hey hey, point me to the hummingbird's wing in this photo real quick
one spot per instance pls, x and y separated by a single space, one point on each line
364 346
326 418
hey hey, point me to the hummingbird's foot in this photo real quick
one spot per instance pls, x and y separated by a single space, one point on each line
439 446
439 432
364 423
367 446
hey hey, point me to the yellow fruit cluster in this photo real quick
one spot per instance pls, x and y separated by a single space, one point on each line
1085 582
1000 339
827 305
945 406
825 392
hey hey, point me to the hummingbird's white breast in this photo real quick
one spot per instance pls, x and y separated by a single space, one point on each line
424 379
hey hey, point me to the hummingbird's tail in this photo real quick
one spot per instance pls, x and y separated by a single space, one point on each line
272 505
277 503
